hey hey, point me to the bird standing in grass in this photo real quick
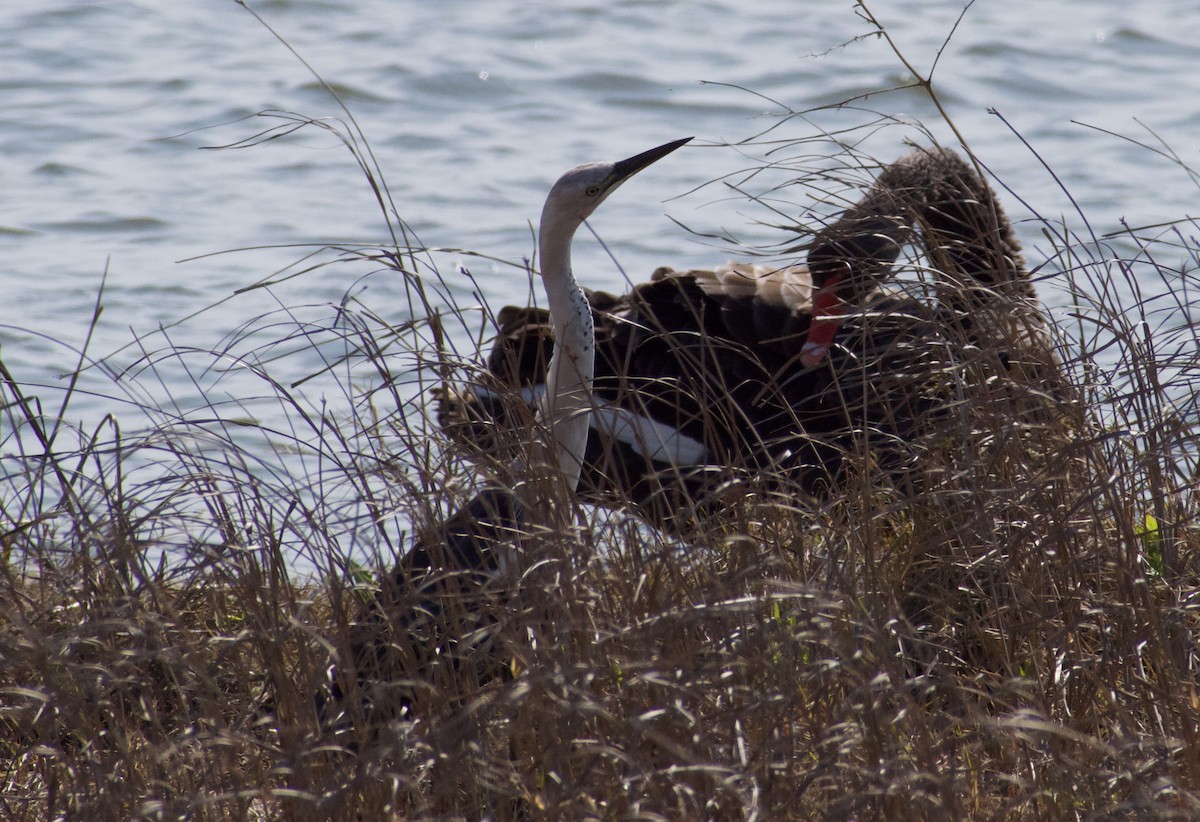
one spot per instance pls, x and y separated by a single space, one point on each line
432 609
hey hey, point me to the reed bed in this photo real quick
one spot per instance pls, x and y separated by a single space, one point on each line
1012 636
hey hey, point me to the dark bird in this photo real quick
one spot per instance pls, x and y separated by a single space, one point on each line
704 376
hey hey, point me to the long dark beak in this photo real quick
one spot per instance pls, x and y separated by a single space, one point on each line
625 169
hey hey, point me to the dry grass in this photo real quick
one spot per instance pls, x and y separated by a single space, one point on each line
1015 642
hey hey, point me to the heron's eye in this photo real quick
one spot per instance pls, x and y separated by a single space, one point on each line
593 191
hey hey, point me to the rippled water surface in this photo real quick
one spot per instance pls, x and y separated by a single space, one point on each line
472 109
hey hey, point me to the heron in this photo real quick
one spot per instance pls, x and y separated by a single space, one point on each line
409 623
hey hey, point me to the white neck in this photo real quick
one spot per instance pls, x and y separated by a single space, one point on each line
566 406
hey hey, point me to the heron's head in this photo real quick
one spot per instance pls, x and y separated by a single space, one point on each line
581 190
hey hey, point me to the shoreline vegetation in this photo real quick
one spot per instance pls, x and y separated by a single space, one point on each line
1017 641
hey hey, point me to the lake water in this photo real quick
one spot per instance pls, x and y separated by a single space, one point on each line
472 109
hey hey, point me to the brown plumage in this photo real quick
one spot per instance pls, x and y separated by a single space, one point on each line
701 375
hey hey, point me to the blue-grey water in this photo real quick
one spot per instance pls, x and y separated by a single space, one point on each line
472 109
